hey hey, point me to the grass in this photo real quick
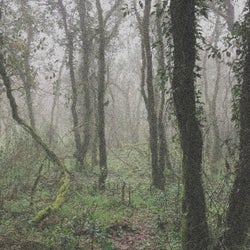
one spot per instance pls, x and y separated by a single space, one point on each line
128 215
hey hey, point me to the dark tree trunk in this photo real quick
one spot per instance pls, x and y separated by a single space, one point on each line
238 214
101 95
194 224
158 178
157 174
164 160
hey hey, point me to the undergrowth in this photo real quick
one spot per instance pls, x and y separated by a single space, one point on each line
129 214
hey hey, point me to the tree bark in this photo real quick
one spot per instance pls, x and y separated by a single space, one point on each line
70 50
86 50
194 224
164 160
158 178
101 95
238 214
27 75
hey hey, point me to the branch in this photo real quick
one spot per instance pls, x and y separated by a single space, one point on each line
110 12
60 198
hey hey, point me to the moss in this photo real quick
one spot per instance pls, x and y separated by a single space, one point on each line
58 202
42 214
60 197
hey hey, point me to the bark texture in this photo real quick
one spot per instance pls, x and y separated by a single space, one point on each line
70 53
86 43
101 95
148 94
238 214
194 225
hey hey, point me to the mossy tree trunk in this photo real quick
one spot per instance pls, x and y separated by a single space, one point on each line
164 159
194 224
238 214
86 46
65 179
104 38
61 194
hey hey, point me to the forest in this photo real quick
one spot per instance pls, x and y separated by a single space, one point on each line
125 124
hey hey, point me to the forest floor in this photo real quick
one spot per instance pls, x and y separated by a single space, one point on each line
86 221
129 214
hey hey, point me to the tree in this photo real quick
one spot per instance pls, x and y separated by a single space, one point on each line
164 160
238 214
101 95
65 177
103 40
194 225
70 49
158 178
27 77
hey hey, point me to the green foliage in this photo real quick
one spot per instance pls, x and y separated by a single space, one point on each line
102 220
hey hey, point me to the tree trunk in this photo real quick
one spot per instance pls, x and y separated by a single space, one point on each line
27 75
158 178
194 224
86 50
56 92
238 214
65 179
101 95
164 160
70 48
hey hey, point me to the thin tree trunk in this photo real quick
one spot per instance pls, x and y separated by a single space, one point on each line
158 178
101 95
63 190
194 224
55 102
27 77
70 49
164 160
86 50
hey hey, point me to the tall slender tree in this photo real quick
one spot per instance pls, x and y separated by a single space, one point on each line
101 95
70 53
104 37
238 214
148 93
27 77
194 224
86 46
